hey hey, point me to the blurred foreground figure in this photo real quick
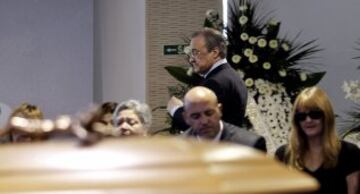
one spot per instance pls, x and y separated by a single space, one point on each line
136 165
102 121
315 148
23 112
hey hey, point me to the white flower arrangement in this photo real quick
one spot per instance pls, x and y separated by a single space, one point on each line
274 107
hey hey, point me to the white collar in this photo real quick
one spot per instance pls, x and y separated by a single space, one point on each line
217 64
218 135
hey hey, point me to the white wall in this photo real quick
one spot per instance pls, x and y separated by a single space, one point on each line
46 49
119 44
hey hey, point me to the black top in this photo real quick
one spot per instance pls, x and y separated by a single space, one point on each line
332 180
234 134
231 92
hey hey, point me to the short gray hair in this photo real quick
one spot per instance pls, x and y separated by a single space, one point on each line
142 110
213 39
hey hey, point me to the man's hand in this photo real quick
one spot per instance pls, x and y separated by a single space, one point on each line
174 103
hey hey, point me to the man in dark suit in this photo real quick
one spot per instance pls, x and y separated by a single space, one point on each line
208 59
202 113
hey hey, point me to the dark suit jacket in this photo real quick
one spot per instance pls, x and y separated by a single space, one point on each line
230 91
234 134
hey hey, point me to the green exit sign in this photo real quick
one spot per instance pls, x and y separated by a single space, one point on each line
177 49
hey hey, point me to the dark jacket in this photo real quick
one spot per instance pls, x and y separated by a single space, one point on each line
230 91
234 134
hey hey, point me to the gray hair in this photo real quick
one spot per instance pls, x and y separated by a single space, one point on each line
213 39
142 110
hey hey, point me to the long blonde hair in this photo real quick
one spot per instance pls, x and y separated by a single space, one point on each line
313 98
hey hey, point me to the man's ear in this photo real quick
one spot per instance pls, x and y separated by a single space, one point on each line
216 52
220 106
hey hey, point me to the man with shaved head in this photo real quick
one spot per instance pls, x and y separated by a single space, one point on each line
202 113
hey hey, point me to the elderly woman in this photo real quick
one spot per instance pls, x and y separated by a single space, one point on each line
315 148
132 118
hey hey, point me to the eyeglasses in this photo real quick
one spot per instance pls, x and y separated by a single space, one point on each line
316 114
194 53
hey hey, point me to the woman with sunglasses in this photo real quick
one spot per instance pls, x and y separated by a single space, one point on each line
315 148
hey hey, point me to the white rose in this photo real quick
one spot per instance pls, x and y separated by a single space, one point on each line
262 43
252 40
243 20
248 52
273 44
249 82
236 59
266 65
253 58
244 36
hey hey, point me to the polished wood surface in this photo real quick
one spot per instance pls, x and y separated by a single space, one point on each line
144 165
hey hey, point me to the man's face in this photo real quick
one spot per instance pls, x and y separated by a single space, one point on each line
128 123
203 117
200 58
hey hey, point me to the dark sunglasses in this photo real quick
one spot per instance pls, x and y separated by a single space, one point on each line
316 114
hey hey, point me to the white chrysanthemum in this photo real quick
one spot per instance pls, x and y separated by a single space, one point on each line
273 44
253 59
244 36
282 73
262 43
236 58
266 65
262 89
243 8
187 50
303 76
252 40
276 98
285 46
248 52
189 72
241 73
259 82
249 82
261 99
268 91
281 116
243 19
